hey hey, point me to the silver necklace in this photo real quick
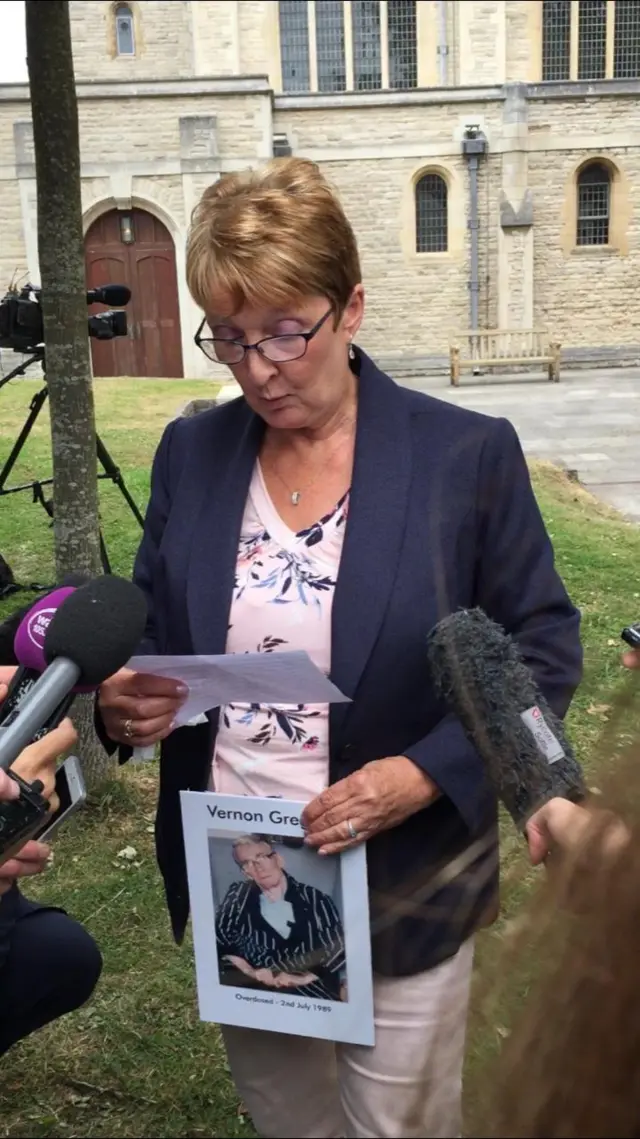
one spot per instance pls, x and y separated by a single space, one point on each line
295 495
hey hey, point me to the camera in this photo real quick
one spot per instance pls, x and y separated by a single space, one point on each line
21 325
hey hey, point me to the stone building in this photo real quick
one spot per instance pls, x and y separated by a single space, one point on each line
516 120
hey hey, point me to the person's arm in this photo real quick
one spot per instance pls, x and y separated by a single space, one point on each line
111 708
519 588
227 940
326 961
331 934
154 524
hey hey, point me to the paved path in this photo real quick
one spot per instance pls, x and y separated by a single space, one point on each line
589 422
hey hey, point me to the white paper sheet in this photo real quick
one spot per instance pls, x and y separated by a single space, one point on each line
242 678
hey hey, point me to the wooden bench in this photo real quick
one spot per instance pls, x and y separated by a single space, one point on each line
471 351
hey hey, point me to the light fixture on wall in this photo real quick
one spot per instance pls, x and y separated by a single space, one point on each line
126 229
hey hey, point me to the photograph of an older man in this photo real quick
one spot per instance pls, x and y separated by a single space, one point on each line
275 932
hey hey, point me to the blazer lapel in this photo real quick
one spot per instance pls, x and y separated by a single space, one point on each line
224 486
374 532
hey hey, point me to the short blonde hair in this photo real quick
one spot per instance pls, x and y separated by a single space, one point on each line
267 236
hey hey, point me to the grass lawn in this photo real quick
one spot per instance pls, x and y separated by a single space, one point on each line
137 1062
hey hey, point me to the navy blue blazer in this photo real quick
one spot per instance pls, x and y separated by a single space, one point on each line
441 516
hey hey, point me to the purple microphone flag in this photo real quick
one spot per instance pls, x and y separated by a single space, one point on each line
29 639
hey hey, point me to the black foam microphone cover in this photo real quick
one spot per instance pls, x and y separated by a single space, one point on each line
98 627
480 673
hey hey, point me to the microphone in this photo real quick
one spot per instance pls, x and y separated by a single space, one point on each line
93 634
9 627
117 295
479 671
27 650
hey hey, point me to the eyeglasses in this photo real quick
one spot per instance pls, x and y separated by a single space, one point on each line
277 349
258 863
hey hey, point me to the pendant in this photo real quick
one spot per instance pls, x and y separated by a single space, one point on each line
295 498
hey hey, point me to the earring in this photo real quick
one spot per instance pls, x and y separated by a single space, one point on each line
352 351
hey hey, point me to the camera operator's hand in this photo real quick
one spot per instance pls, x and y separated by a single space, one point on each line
30 859
39 760
6 673
8 788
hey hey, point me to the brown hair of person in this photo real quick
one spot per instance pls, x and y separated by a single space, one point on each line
269 236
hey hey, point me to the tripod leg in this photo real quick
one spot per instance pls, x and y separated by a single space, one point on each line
104 557
114 473
34 411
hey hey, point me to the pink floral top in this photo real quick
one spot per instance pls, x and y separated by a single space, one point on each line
282 599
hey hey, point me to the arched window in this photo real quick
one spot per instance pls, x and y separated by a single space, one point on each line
125 42
594 204
431 214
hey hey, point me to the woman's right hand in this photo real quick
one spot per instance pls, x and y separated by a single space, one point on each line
139 709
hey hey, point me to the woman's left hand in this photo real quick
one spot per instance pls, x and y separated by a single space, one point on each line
380 795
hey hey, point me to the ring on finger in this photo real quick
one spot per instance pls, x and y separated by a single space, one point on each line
128 729
353 834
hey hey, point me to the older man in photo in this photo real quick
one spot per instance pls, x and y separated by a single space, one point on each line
276 933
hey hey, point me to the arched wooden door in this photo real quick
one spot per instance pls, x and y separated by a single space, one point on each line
137 250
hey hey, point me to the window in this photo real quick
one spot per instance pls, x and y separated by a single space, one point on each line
594 205
332 72
294 45
125 43
626 40
590 39
403 43
556 39
363 45
367 61
431 214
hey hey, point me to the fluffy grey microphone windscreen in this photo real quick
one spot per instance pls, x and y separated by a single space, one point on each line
479 672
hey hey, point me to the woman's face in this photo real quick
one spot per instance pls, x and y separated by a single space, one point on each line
291 394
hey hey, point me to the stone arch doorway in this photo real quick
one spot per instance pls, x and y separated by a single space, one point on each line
134 248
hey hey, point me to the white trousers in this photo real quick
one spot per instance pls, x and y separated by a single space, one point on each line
409 1085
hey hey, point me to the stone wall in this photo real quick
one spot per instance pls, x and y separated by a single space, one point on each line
151 146
163 40
157 129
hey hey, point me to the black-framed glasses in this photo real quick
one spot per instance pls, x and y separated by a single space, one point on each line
257 863
277 349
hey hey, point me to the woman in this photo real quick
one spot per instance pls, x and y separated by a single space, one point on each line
330 510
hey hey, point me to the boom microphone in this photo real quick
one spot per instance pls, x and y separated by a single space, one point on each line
92 635
479 672
117 295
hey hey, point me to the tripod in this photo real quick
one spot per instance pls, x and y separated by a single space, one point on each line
109 468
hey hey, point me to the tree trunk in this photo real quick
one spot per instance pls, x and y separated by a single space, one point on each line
64 307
